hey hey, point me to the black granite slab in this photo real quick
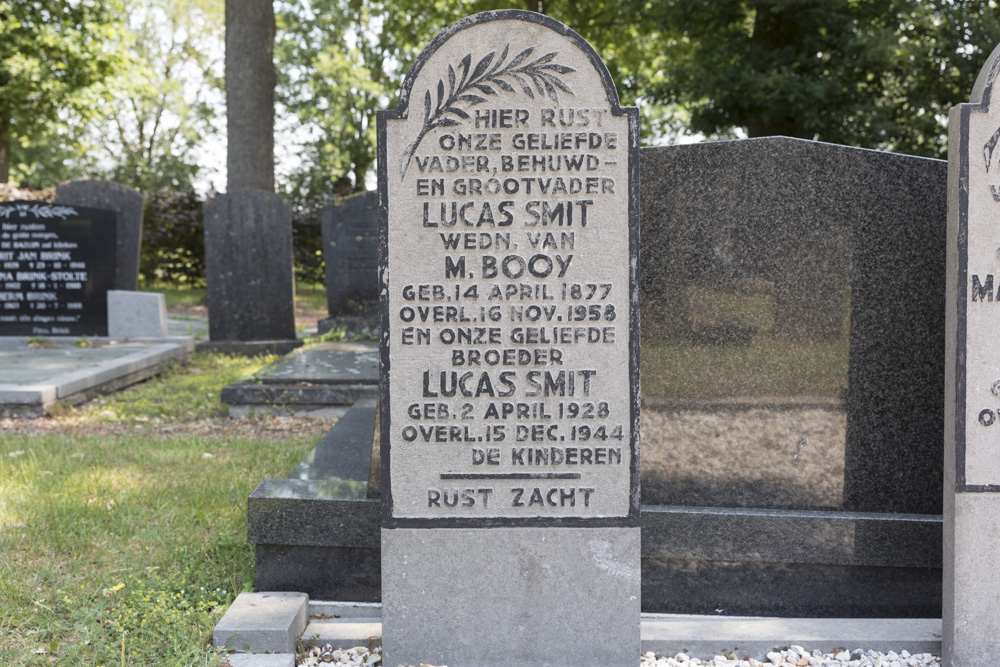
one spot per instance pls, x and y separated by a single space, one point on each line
322 573
127 205
312 513
248 262
789 590
779 273
327 363
56 266
350 253
345 451
301 397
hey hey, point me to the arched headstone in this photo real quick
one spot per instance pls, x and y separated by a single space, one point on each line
508 185
127 205
971 610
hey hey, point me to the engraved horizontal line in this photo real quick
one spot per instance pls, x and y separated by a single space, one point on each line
510 475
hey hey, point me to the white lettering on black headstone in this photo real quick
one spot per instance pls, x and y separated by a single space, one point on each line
56 265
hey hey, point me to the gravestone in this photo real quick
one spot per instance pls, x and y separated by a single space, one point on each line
55 269
771 425
127 205
971 610
248 262
508 184
350 253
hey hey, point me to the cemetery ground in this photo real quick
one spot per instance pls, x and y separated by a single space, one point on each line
123 520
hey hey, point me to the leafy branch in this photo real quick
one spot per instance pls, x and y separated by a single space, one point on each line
39 210
489 75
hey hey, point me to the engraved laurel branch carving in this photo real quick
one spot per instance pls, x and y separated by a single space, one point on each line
489 75
39 210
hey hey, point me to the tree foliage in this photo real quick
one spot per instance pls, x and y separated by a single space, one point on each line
51 53
154 116
872 73
341 60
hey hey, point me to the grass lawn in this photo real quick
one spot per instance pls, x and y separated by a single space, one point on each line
310 296
123 523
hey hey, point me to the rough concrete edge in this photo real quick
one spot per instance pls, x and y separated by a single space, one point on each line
98 374
34 400
252 609
360 623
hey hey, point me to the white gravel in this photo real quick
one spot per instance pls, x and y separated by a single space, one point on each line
794 656
797 656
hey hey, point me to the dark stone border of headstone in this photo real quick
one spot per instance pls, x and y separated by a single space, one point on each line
694 560
127 205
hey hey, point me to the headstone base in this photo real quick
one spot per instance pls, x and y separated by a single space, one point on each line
516 596
971 611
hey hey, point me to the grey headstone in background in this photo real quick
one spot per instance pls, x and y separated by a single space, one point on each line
127 205
350 252
971 609
248 259
136 314
502 202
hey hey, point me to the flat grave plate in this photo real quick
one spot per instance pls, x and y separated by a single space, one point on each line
32 376
23 364
327 363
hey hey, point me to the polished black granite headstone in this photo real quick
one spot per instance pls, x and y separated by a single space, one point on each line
792 294
127 205
248 260
350 252
57 263
345 451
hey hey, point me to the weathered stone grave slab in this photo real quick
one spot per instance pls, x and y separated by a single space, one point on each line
248 261
127 205
57 264
350 254
327 363
33 376
508 179
309 380
971 610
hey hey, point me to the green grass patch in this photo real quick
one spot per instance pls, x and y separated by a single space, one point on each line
307 295
123 546
311 295
182 392
177 296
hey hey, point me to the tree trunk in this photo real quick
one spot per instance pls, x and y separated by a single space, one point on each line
250 81
4 150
